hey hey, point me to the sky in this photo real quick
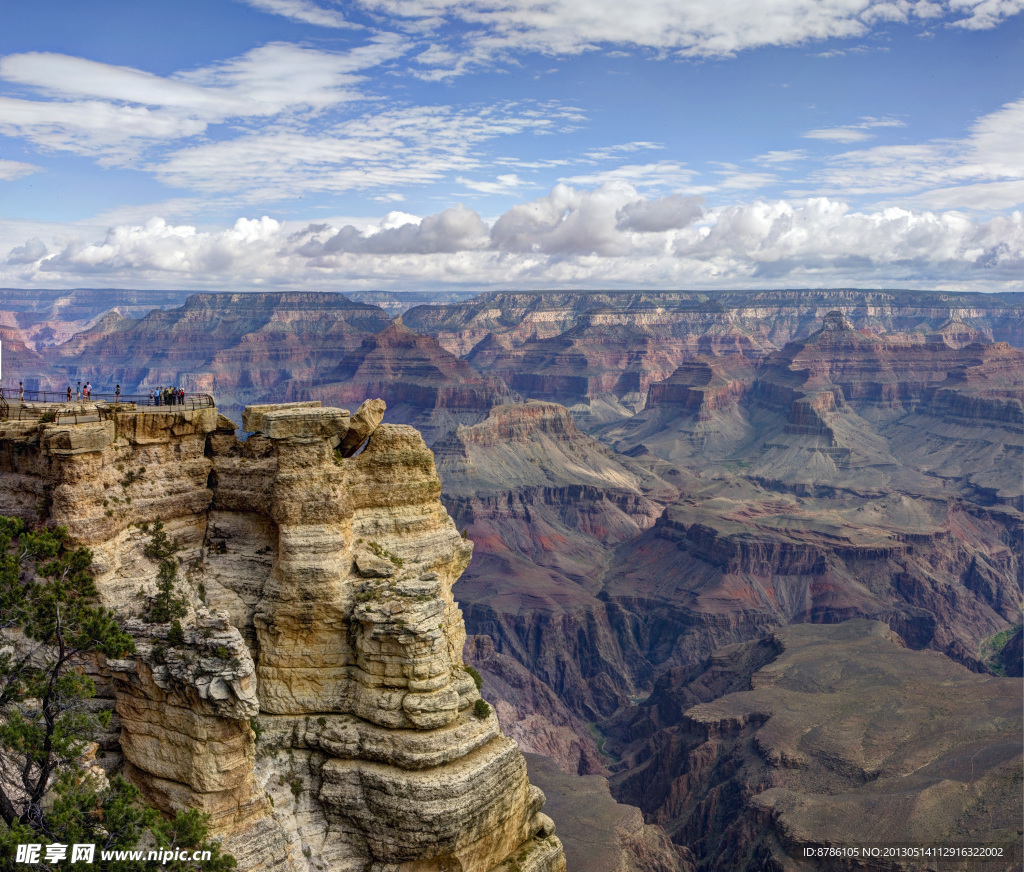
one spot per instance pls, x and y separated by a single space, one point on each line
532 144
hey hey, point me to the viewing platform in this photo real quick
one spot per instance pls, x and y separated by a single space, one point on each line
54 406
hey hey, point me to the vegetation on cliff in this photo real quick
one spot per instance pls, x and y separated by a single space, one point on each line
52 631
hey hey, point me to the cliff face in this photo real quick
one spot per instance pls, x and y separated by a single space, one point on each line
319 617
423 384
600 352
245 348
546 505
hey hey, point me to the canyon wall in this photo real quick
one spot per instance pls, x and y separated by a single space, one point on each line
313 699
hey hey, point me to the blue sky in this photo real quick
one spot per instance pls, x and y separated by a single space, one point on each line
412 144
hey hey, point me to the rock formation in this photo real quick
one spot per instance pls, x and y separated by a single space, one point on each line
831 736
546 505
245 348
599 352
313 700
423 384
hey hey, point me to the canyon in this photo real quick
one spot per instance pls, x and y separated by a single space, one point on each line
674 499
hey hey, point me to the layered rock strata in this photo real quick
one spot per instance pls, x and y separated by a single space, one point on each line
318 617
829 737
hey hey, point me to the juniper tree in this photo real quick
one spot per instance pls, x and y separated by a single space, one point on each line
51 628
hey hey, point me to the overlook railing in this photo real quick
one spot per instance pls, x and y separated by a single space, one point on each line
24 405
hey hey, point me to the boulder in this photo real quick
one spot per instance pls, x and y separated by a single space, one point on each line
366 419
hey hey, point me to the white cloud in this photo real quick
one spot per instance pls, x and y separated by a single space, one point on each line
772 158
114 113
838 134
14 169
301 10
411 146
33 250
109 133
160 248
990 153
664 174
565 27
608 237
610 152
984 14
853 132
265 81
567 221
457 229
777 236
655 216
506 183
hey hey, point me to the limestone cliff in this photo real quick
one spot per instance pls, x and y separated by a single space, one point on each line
313 698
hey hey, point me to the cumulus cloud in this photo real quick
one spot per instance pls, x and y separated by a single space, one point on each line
655 216
13 169
609 236
34 249
778 237
159 247
567 221
457 229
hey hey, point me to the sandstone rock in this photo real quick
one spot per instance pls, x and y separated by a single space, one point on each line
369 414
68 440
333 632
252 416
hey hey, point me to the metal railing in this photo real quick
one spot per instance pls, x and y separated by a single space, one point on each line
23 405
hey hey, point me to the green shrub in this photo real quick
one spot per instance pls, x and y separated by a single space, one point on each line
481 710
176 635
478 679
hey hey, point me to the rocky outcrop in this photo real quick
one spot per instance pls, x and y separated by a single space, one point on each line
312 698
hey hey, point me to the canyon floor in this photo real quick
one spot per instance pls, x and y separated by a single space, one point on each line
751 561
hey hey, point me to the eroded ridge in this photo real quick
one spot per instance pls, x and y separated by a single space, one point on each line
311 696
